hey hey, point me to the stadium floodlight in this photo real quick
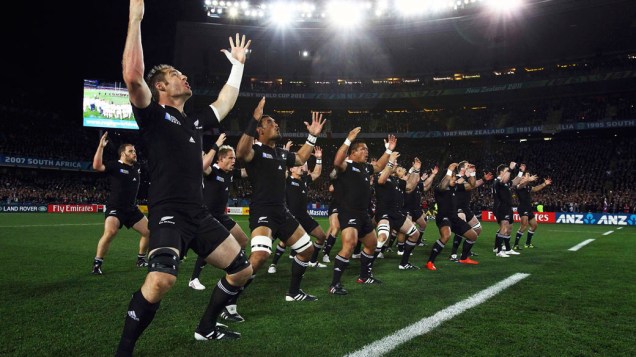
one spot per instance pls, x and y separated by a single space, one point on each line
233 12
345 14
503 6
282 13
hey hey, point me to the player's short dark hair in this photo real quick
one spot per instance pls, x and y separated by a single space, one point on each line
260 122
355 145
156 74
223 151
122 148
501 168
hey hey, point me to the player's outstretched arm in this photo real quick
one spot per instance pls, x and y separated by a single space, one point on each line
318 167
133 59
314 130
339 161
244 150
389 168
428 181
98 163
446 180
414 176
209 157
384 159
229 93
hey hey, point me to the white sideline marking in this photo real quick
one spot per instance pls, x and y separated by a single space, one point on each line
608 233
619 228
427 324
581 245
52 225
560 230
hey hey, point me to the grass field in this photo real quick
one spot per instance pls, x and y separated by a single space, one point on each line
579 303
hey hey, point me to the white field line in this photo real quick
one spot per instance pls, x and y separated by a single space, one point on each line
608 233
388 343
619 228
581 245
52 225
560 230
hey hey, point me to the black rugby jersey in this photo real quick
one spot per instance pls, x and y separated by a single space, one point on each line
446 200
216 189
337 192
266 173
462 198
524 196
355 186
296 193
502 195
173 144
390 195
124 183
413 200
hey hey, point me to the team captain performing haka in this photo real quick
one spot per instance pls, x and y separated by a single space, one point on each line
355 223
266 166
177 216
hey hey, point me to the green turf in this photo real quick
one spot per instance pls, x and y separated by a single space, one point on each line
573 303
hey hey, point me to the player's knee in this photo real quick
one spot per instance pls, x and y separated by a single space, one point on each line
164 260
160 283
470 235
261 244
238 264
303 244
383 231
109 234
413 233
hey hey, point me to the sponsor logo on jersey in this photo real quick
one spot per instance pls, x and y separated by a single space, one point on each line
172 119
124 171
267 156
355 169
220 179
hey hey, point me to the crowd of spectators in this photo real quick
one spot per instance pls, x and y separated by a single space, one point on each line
398 82
587 175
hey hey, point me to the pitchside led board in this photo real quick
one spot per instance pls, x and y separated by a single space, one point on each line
106 105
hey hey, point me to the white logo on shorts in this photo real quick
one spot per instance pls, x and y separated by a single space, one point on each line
262 219
352 221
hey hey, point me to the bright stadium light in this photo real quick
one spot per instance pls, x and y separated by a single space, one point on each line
345 14
503 5
282 14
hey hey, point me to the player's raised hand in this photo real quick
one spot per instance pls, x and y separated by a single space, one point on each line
258 112
353 134
220 140
317 152
103 141
547 181
288 145
316 124
453 166
435 170
136 10
238 50
391 142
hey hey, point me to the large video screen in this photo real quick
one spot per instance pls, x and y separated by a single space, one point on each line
106 105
